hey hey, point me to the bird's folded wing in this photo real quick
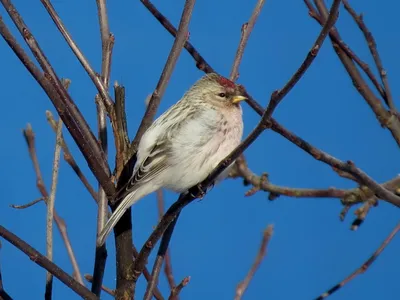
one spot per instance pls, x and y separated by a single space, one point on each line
150 167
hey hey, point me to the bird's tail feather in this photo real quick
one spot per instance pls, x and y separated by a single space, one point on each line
127 202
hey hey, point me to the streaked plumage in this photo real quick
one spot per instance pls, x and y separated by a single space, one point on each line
183 146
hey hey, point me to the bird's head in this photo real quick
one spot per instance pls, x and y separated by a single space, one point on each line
218 90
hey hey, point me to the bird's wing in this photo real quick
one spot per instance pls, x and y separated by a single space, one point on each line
147 169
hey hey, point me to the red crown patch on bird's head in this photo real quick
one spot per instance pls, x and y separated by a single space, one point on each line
226 82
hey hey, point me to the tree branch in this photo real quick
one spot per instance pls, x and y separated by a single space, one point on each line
243 285
42 261
364 266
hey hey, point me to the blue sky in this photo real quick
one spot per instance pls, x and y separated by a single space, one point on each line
216 239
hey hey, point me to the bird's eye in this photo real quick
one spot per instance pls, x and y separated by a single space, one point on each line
222 95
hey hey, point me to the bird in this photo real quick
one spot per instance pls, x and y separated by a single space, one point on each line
182 146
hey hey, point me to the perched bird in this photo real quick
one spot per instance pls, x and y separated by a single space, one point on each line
183 146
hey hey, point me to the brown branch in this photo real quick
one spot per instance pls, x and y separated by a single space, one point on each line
42 261
70 159
28 204
247 28
385 118
121 137
364 266
62 227
162 250
173 56
244 172
334 36
177 289
243 285
347 167
107 42
168 265
98 82
201 63
61 100
147 276
50 209
109 291
375 54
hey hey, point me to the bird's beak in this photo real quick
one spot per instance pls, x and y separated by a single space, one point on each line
237 99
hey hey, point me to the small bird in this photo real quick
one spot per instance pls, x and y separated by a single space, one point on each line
183 146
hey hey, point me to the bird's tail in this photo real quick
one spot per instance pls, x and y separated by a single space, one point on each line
127 202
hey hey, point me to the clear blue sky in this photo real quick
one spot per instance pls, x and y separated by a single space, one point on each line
216 239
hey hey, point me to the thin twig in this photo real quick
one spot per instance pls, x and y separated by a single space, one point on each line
364 267
70 159
28 204
168 265
337 40
375 54
65 106
42 261
243 285
98 82
107 42
109 291
147 276
384 117
50 209
247 28
62 227
162 250
201 62
173 56
177 289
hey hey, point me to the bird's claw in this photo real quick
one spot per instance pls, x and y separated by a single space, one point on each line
200 192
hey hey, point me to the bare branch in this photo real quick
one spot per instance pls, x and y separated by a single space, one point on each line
70 159
62 227
375 54
107 42
168 265
109 291
99 84
173 56
42 261
147 276
177 289
201 62
162 250
242 286
28 204
364 266
247 28
50 209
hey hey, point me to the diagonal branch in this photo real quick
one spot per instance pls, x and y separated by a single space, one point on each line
180 39
243 285
364 266
42 261
247 28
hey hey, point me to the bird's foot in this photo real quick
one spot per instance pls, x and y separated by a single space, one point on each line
200 192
